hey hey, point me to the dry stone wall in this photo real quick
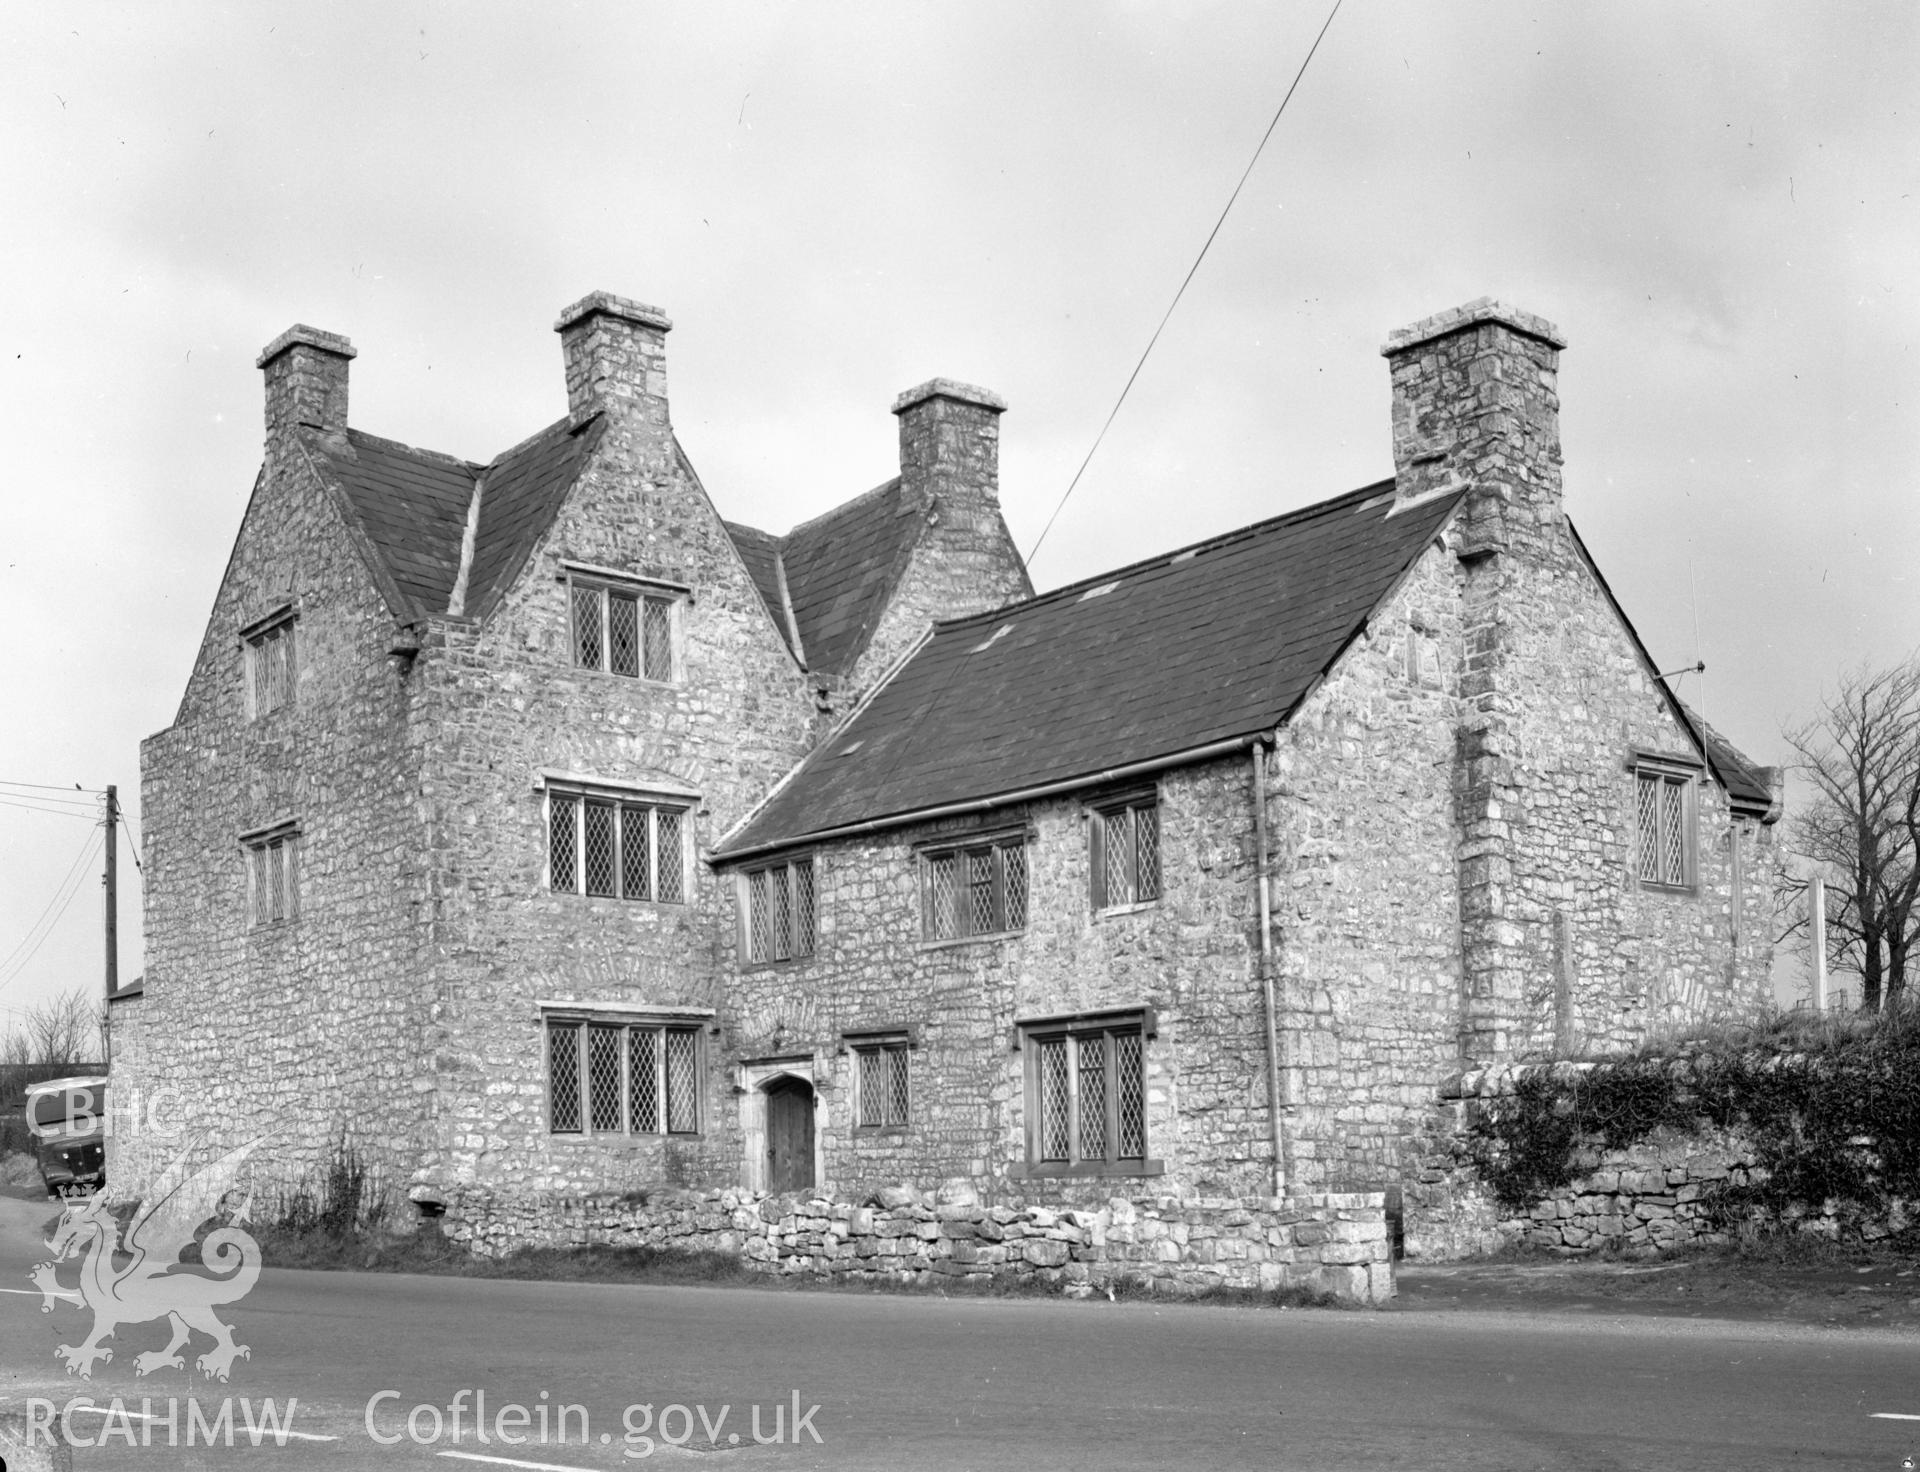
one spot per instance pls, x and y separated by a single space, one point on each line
1329 1243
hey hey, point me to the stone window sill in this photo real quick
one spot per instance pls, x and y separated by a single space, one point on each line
1048 1169
621 901
1672 891
617 1138
881 1131
1133 909
642 681
969 940
792 963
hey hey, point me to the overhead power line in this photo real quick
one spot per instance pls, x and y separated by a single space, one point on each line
17 959
91 813
1034 551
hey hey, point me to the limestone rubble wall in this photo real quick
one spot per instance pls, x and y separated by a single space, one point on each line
1335 1243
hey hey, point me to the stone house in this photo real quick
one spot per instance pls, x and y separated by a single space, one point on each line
539 834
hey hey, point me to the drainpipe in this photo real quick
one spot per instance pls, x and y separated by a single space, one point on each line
1266 965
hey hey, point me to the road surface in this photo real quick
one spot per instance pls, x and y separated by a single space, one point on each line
918 1382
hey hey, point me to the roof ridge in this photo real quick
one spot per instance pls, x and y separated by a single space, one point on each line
1714 734
846 505
1164 559
741 526
540 434
473 467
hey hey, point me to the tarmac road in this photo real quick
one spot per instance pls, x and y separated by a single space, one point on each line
918 1382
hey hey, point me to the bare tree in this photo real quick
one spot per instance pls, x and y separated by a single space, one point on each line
61 1030
1860 828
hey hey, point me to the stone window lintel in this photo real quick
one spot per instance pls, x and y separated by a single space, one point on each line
553 1009
587 572
286 827
283 611
1148 1018
1645 758
548 778
1021 830
870 1037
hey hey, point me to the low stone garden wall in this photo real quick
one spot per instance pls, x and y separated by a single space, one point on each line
1654 1196
1651 1196
1331 1243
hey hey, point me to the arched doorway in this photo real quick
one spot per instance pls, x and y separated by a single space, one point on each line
789 1134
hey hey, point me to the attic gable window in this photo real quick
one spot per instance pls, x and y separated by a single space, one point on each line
1123 840
270 668
625 627
616 847
1666 823
976 889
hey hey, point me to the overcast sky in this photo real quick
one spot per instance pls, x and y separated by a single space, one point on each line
1716 203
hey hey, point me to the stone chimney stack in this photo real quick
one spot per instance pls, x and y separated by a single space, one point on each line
950 452
616 356
1476 407
306 372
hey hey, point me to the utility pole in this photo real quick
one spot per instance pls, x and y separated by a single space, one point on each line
112 881
1819 943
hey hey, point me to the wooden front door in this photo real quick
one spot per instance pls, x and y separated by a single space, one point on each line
789 1135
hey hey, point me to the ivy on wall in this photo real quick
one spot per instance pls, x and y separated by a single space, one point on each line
1831 1112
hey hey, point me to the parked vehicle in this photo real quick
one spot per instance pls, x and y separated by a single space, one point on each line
67 1118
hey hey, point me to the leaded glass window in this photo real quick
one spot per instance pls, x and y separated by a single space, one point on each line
1125 844
1087 1094
563 1077
1665 828
623 631
778 923
977 890
882 1084
270 668
622 1078
273 893
616 848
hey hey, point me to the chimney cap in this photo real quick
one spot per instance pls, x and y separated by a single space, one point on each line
313 337
605 303
1459 319
948 388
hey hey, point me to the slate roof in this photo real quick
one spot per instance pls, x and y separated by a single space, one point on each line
1220 640
521 493
1745 785
412 505
841 567
760 551
838 571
